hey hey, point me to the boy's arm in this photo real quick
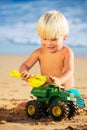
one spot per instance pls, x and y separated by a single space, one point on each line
27 65
68 66
68 69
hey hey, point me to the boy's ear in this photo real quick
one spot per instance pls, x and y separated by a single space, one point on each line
64 37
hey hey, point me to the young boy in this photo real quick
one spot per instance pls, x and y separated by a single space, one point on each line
55 59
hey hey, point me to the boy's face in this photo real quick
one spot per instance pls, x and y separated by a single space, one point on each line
52 45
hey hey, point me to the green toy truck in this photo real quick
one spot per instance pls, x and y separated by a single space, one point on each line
53 101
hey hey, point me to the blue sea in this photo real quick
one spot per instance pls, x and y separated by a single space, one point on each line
28 49
18 20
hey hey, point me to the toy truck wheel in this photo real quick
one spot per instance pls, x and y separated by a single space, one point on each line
59 110
33 109
45 108
73 110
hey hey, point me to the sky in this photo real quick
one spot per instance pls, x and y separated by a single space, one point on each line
18 20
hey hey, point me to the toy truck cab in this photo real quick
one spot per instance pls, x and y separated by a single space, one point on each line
52 93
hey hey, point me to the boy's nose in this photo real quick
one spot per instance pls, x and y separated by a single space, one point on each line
48 42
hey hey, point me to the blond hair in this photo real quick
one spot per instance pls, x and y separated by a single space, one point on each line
51 25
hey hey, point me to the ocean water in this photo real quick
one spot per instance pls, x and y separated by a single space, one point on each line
80 51
18 20
28 49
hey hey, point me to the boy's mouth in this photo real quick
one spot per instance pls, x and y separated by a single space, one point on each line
50 47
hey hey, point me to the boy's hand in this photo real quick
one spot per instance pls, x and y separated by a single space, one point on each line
25 75
55 80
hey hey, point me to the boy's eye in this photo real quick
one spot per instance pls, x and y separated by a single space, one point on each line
44 39
54 39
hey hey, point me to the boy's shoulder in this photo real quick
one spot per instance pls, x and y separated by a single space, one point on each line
37 51
67 50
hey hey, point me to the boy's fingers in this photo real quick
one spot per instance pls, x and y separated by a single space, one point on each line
51 78
26 75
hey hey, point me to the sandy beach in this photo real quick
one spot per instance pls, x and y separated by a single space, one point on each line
13 91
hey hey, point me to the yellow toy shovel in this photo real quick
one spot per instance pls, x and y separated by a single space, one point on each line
34 81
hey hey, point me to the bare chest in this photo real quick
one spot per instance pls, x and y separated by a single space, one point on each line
51 64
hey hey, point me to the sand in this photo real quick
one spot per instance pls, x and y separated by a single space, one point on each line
13 91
